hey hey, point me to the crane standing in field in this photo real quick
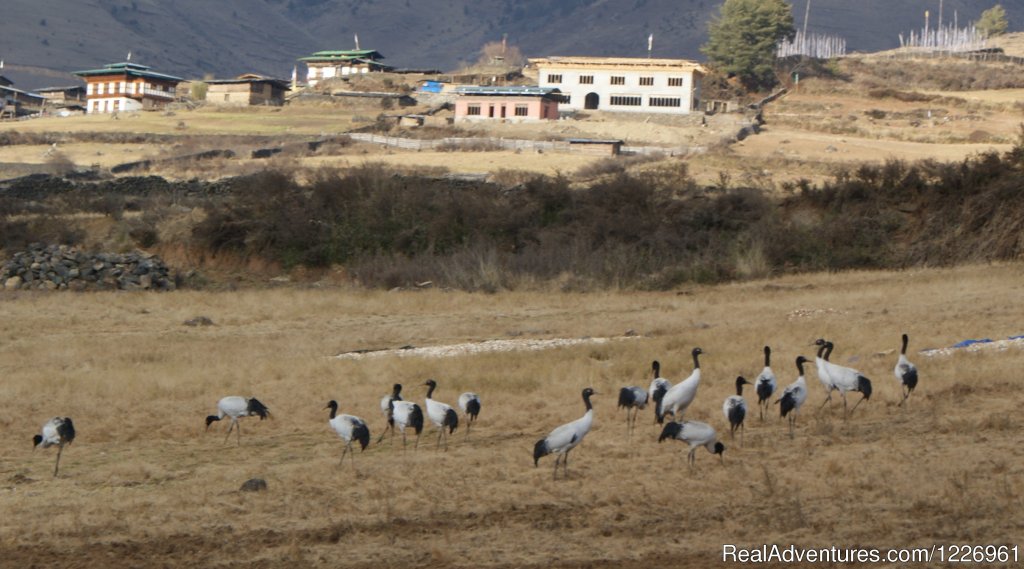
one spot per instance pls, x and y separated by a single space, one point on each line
566 437
695 434
679 397
441 415
469 402
349 428
659 387
385 407
58 431
906 372
735 409
765 383
237 407
794 395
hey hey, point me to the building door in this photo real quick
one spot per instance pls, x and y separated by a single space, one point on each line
592 101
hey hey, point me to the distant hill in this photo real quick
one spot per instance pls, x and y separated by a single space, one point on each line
42 41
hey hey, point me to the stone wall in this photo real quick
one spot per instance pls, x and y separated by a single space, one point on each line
59 267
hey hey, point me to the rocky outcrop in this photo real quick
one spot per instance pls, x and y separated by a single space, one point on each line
59 267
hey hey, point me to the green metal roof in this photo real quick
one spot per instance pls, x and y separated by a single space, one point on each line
344 55
126 68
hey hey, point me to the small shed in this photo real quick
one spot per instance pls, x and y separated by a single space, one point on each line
595 147
245 90
506 103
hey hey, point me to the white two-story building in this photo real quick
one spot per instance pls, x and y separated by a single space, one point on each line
638 85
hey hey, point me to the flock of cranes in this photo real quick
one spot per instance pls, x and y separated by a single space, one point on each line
667 399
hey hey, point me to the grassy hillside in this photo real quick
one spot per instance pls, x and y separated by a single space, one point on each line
193 38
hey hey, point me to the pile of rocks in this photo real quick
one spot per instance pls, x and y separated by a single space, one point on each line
59 267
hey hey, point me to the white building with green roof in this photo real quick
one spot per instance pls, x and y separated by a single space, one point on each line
127 86
324 65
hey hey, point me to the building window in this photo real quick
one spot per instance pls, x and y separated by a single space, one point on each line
522 110
554 78
665 102
473 110
117 87
625 101
618 80
646 81
586 79
675 81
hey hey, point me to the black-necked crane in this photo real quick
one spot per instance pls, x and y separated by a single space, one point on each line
659 387
58 431
695 434
566 437
385 407
679 397
441 415
846 379
794 395
765 383
469 402
349 428
735 408
632 399
824 376
403 414
906 372
237 407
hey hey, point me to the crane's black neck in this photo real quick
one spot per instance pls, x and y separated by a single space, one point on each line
800 365
828 350
430 390
586 400
821 350
396 390
657 369
739 386
767 356
906 339
696 360
333 405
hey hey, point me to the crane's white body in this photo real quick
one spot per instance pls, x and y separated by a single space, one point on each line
696 434
679 397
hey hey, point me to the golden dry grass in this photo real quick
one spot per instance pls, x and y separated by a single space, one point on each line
144 486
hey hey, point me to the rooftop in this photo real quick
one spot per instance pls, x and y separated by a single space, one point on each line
345 55
513 91
642 63
126 68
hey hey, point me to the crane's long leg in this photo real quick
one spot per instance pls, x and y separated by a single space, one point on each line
554 475
231 427
56 467
857 403
238 431
828 399
386 429
565 464
343 452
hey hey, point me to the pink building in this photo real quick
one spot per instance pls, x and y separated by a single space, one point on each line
507 103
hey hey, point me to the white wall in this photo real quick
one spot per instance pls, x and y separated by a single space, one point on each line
603 88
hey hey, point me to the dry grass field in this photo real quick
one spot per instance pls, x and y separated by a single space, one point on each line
144 486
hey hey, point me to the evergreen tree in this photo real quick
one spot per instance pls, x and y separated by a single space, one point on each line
993 22
742 40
